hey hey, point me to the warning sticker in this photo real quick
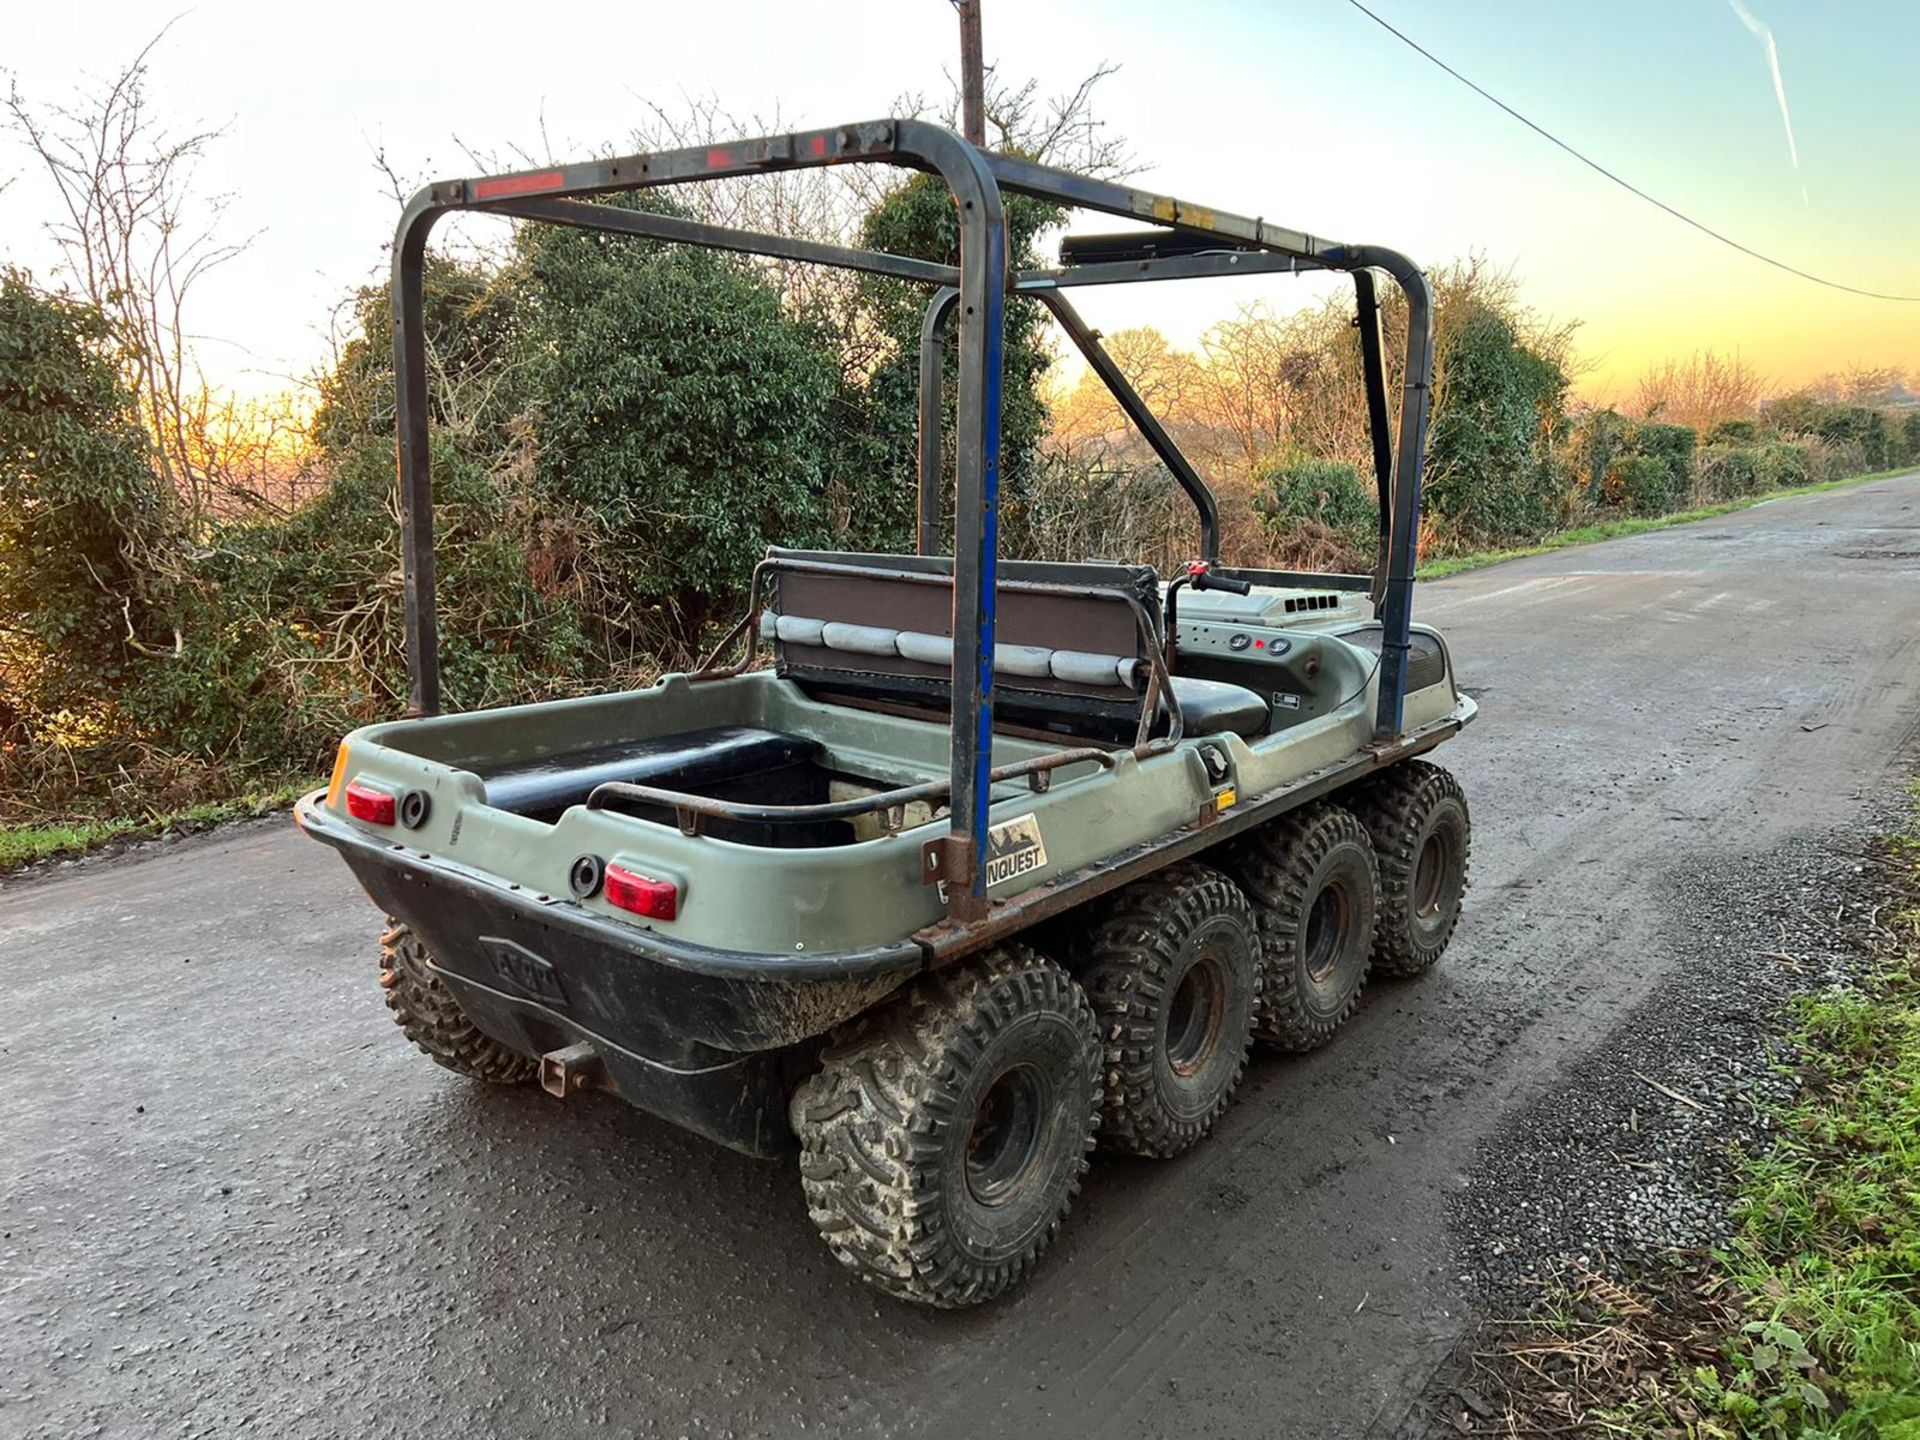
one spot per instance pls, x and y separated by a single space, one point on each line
1014 848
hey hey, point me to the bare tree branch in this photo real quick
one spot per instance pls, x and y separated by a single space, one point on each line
137 240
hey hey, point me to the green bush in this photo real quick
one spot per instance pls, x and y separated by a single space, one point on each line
1673 446
1861 426
1598 439
1644 485
1492 476
471 312
1910 437
684 412
1830 460
1319 512
1728 472
84 525
1734 432
1862 438
1796 414
1328 491
1784 463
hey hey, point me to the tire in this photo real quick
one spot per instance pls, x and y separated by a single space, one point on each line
1315 891
433 1020
1173 972
946 1133
1417 817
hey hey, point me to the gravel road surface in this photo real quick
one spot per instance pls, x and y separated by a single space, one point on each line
234 1200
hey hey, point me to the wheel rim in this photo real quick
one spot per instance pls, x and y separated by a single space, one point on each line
1430 876
1194 1016
1327 924
1008 1134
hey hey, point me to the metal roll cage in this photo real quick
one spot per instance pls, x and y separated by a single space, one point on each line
1186 241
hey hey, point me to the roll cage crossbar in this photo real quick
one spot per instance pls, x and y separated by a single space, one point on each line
1185 241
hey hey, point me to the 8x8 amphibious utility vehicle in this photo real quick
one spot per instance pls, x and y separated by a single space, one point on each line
943 867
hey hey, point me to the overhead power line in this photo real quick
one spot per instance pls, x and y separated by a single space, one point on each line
1628 185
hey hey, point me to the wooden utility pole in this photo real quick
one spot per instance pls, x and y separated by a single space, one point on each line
973 80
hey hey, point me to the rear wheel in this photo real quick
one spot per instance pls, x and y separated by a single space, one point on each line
946 1133
1173 971
424 1008
1417 817
1314 888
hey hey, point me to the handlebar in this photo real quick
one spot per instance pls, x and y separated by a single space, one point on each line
1207 580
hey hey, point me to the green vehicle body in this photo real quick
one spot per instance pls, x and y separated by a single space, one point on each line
708 895
806 938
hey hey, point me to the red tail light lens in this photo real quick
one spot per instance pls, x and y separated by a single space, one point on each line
376 807
643 895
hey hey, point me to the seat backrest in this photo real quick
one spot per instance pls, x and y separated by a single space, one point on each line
1069 640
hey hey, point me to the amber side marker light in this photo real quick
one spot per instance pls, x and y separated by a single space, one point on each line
376 807
642 894
338 778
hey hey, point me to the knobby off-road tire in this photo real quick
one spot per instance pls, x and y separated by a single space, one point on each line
1315 890
433 1019
946 1133
1172 967
1416 814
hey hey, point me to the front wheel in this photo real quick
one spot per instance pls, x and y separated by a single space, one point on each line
946 1133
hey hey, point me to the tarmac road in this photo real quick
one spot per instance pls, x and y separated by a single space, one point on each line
233 1200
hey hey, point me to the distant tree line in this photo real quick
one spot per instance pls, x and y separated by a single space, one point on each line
1270 407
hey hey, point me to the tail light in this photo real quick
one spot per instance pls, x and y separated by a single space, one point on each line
642 894
364 802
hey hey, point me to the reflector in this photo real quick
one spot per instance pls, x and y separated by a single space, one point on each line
339 774
501 187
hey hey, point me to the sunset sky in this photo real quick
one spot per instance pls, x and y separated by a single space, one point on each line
1302 111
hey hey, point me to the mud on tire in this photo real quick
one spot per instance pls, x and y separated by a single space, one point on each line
433 1019
1314 887
1172 968
1417 816
947 1132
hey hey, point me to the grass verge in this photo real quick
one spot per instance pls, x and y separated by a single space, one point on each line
1444 566
1808 1323
24 844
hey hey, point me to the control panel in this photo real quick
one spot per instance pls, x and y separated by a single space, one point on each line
1282 666
1237 642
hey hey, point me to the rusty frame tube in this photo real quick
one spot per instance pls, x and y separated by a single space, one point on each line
691 809
1143 418
674 229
